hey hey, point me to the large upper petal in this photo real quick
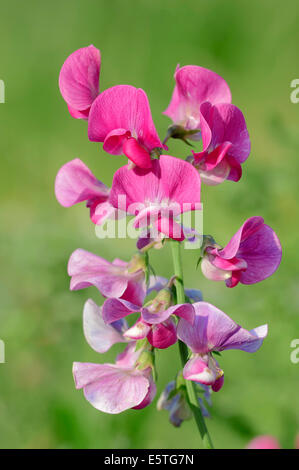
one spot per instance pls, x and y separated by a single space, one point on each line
110 388
262 253
79 80
170 182
213 330
221 124
195 85
98 334
76 183
87 269
126 108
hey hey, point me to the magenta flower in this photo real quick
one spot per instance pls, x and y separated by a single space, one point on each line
155 322
111 279
225 141
76 183
121 118
79 80
158 195
113 388
252 255
213 331
194 86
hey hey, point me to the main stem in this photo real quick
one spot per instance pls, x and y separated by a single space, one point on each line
190 386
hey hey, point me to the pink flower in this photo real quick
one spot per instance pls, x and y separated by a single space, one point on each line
155 322
156 196
213 331
121 118
79 80
194 86
111 279
268 442
226 143
113 388
264 442
76 183
252 255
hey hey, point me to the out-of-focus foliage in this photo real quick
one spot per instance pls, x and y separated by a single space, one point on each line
254 46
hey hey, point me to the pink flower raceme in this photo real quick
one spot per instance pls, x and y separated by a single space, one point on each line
158 195
121 118
155 323
225 141
116 279
252 255
213 331
113 388
76 183
79 80
194 86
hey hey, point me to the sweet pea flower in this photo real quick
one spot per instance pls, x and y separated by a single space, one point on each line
157 195
225 141
116 279
194 86
252 255
98 334
76 183
212 331
121 118
79 80
155 322
114 388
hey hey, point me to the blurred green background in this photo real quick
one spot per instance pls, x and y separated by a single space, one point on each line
254 46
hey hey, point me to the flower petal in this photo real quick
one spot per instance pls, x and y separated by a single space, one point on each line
109 388
98 334
115 309
195 85
76 183
171 183
163 335
79 79
123 107
213 330
87 269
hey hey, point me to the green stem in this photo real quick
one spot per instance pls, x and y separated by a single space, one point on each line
190 386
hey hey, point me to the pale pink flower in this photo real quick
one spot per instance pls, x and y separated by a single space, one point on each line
111 279
213 331
113 388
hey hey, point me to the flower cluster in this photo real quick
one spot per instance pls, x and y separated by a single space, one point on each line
156 189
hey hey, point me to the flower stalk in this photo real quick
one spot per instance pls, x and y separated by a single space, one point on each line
190 386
